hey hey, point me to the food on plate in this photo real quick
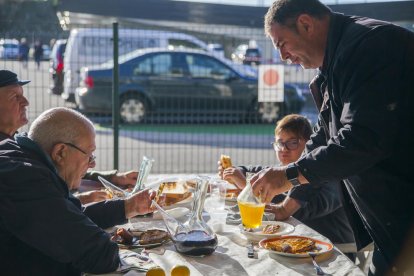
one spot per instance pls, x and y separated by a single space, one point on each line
292 245
123 236
129 237
173 192
271 229
153 236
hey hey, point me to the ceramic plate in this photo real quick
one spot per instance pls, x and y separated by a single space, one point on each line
257 234
321 247
136 244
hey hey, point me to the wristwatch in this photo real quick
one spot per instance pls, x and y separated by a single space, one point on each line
292 174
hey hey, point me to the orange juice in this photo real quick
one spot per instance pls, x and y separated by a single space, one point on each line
251 214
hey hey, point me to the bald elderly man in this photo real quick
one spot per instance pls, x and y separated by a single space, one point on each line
44 230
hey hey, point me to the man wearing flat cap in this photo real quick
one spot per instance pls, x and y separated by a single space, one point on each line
12 104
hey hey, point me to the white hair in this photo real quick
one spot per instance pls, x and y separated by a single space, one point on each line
58 125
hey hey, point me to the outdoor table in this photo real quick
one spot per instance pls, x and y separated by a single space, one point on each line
230 257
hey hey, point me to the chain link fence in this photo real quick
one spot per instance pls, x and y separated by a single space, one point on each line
187 93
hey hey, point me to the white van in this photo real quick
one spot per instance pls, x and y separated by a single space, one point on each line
91 46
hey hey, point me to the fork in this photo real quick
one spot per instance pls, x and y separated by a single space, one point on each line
318 269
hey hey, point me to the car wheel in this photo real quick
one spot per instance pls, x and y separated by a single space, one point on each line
133 109
268 112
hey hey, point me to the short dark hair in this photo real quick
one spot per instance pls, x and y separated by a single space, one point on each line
285 12
295 124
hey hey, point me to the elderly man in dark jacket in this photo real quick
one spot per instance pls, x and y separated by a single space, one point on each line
44 230
364 92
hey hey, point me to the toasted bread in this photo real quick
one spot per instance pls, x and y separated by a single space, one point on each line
225 161
293 245
174 192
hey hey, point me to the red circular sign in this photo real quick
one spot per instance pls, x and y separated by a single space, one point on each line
270 77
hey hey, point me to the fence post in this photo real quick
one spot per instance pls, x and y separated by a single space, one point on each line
115 95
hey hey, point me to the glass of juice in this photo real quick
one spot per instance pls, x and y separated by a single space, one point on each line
251 207
251 214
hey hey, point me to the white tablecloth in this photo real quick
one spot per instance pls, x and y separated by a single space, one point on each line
230 257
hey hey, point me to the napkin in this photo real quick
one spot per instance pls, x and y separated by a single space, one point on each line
130 260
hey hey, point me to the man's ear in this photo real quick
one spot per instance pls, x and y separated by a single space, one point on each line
305 24
58 153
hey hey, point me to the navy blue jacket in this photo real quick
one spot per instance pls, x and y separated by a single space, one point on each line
365 94
44 230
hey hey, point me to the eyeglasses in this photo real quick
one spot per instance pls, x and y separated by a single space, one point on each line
291 144
91 156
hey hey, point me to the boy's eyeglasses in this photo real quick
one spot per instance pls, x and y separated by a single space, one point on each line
291 144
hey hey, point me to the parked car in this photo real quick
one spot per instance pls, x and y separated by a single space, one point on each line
216 49
180 86
56 66
247 55
9 48
92 46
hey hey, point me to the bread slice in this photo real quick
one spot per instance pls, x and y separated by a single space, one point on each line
174 192
225 161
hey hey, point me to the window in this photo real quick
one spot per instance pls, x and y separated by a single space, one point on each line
206 67
154 65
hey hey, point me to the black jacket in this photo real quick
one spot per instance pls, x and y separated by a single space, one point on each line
321 209
365 92
43 229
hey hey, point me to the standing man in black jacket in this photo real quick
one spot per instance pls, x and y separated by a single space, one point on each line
44 230
364 93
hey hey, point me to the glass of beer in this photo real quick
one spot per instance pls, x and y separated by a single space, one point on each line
251 207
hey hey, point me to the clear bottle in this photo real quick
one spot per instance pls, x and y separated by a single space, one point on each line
193 237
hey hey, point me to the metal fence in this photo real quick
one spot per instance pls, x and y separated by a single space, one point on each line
187 93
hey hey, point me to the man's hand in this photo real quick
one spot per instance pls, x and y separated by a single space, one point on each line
269 183
125 179
139 203
92 196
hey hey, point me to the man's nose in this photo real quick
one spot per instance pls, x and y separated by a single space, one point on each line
25 102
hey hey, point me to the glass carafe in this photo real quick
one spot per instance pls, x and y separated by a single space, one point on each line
193 237
251 207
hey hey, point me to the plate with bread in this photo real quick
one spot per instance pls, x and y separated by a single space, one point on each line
295 246
130 238
268 229
174 193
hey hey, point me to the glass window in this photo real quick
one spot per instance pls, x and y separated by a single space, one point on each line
201 66
154 65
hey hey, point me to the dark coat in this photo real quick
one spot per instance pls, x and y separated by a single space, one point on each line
44 230
321 209
365 92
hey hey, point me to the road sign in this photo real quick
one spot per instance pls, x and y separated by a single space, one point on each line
271 83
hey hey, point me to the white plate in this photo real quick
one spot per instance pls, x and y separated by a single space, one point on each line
257 234
322 247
